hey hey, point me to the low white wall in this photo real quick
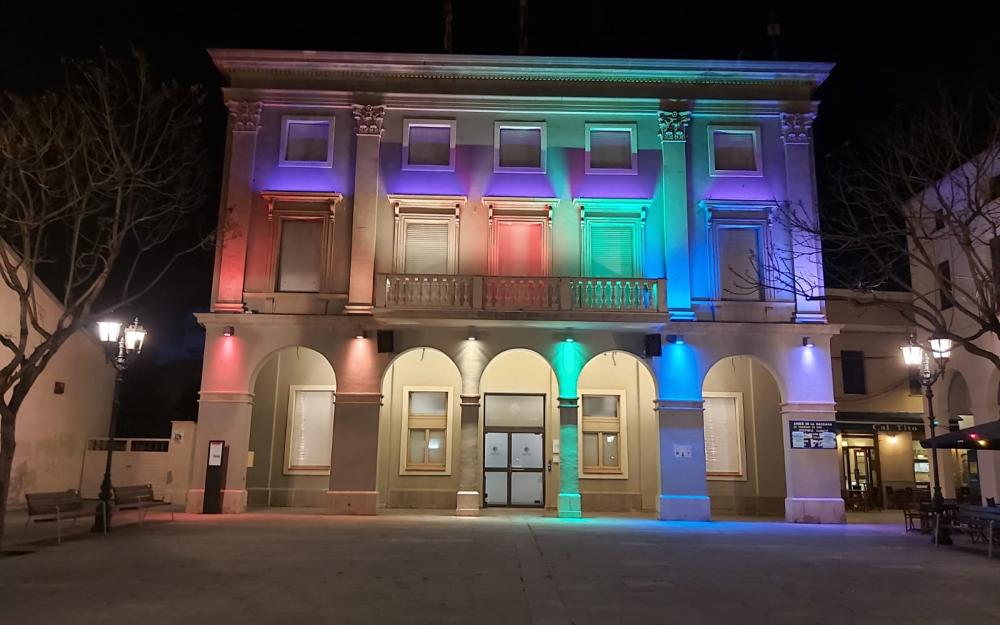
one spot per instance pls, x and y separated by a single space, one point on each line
168 471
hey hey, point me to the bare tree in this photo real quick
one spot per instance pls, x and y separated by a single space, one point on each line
917 211
100 183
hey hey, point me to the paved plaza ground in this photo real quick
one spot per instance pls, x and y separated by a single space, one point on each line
510 569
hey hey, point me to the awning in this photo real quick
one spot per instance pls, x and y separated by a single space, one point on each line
985 436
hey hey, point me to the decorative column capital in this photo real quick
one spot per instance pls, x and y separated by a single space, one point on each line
368 119
796 128
674 125
245 116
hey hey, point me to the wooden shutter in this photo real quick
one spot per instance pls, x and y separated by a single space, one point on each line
426 247
612 250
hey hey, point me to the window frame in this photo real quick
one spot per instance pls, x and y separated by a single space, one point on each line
404 442
515 125
754 131
293 205
610 211
741 438
633 131
409 123
519 210
597 422
946 288
293 390
756 214
425 209
286 121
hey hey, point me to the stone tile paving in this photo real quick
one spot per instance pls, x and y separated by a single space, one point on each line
413 569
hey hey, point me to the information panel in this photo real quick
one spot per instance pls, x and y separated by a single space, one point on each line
813 434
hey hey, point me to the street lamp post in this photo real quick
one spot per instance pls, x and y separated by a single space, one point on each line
119 345
917 358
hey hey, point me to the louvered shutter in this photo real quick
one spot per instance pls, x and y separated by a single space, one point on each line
426 247
723 448
519 248
612 250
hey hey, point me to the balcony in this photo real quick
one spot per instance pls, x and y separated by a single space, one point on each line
513 297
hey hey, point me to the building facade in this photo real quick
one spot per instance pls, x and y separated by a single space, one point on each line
465 281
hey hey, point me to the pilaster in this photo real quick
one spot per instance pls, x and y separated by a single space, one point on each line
368 121
469 468
673 147
568 501
353 462
683 488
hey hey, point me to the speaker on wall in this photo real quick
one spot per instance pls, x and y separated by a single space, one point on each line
653 345
386 341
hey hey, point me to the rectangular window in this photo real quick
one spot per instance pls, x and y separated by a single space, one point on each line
611 149
310 430
519 147
429 144
425 428
946 296
739 263
613 249
852 367
938 220
306 142
300 255
520 246
993 188
601 434
913 377
734 151
725 454
995 259
426 246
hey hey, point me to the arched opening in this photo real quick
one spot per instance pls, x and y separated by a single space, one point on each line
520 420
291 429
420 431
744 440
965 470
618 433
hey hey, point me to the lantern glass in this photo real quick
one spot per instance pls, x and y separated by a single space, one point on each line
109 330
135 334
941 348
912 355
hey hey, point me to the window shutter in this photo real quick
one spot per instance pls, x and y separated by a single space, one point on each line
312 430
723 448
519 248
426 247
300 255
612 250
738 275
852 368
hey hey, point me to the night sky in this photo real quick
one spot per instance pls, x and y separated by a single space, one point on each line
888 59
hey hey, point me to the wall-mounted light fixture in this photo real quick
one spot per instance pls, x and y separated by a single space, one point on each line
228 331
360 334
676 339
807 341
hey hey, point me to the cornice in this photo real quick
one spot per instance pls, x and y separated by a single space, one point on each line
520 68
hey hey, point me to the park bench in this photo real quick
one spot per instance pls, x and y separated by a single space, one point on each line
139 497
55 507
981 524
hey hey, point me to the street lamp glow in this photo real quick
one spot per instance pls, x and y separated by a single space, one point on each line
135 334
913 354
941 347
109 330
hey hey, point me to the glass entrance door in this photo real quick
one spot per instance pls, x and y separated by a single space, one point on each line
514 469
514 450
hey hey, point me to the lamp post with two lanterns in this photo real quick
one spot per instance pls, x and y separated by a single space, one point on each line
918 359
120 346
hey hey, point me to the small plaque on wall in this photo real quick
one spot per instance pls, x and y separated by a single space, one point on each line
682 451
812 434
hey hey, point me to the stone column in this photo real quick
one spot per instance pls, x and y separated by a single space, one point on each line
673 148
354 459
469 469
234 220
368 126
568 502
796 133
683 488
812 476
222 416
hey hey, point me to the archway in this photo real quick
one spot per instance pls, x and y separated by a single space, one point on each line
962 465
520 420
618 434
291 429
419 431
744 441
